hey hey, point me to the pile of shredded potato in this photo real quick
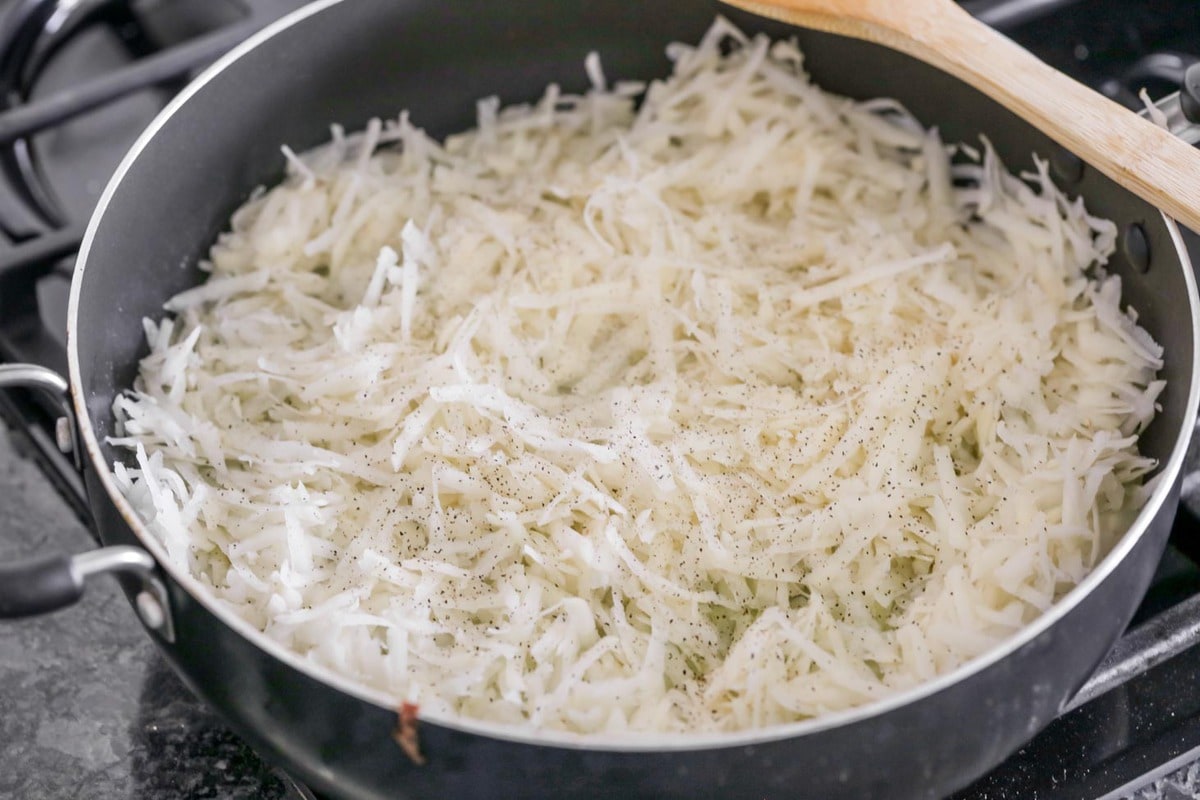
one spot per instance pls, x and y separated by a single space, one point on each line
706 404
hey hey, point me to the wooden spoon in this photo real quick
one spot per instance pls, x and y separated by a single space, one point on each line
1134 152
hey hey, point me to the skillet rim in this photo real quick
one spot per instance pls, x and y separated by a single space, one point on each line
626 742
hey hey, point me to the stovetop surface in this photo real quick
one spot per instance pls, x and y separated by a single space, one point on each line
89 709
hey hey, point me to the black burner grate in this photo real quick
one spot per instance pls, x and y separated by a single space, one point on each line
150 49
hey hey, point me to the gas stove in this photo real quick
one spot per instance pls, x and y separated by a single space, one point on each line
87 706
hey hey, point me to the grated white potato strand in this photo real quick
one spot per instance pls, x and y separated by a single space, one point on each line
733 407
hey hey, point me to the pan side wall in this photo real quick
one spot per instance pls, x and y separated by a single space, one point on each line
343 746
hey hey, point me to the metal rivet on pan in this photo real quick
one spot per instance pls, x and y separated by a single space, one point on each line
1066 166
1136 246
150 610
62 435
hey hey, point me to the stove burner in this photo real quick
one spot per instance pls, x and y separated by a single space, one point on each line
35 34
145 53
79 80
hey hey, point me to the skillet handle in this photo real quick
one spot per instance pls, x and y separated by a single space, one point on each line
45 584
37 586
54 386
48 583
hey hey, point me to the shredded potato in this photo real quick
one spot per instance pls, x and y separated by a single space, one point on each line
707 404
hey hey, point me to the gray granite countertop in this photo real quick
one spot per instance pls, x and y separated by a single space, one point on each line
88 708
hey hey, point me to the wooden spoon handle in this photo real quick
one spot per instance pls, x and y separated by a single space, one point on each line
1138 155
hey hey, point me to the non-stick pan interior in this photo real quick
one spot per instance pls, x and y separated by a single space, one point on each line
366 58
